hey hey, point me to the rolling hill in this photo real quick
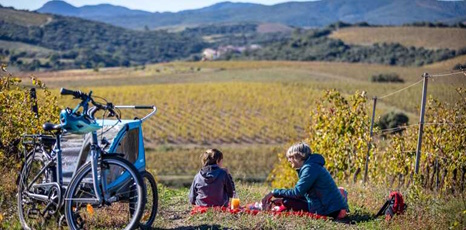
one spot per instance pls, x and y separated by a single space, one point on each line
79 43
300 14
62 42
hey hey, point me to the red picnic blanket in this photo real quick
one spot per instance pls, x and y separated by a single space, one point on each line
280 212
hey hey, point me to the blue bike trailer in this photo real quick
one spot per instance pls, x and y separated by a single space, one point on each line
123 137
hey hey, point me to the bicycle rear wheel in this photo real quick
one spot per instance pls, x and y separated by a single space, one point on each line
34 212
152 203
124 197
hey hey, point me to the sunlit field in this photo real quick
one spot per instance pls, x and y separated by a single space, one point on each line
431 38
254 105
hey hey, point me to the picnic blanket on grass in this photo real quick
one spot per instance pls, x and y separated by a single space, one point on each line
280 212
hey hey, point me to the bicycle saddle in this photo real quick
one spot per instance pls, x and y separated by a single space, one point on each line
50 127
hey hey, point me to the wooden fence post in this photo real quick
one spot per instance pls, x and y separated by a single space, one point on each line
366 167
421 122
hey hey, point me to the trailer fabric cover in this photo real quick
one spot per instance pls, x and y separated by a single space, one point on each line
76 149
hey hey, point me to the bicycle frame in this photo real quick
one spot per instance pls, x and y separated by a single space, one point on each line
50 161
54 157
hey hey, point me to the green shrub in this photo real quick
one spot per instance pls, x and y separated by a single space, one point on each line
16 116
393 121
459 66
387 77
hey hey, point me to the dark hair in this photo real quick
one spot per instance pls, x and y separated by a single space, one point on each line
211 157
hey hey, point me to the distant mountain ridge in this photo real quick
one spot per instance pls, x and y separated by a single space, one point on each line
32 41
300 14
88 11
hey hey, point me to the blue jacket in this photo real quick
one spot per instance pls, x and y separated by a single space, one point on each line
317 186
212 186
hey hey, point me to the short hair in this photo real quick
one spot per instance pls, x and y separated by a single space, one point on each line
211 157
301 150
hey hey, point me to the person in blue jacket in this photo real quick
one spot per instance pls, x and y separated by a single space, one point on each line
315 191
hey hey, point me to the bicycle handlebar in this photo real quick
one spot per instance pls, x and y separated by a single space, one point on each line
87 98
144 107
77 94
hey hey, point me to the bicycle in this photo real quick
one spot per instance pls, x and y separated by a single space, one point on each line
125 137
98 191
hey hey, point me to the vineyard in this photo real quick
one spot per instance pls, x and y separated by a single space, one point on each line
252 111
248 163
209 114
250 104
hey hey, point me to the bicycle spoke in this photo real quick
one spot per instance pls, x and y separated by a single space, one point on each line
124 185
87 193
124 193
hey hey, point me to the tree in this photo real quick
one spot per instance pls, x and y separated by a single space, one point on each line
338 130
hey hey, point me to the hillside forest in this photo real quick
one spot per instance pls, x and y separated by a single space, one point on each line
60 42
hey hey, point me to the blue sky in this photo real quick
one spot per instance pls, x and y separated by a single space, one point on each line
147 5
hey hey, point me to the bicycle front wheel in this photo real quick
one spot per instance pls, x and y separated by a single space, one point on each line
123 193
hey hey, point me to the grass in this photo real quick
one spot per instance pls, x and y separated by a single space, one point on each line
426 210
364 202
431 38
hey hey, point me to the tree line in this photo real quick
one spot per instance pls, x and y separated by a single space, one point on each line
88 44
315 45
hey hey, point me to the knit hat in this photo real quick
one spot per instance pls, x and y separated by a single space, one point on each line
301 149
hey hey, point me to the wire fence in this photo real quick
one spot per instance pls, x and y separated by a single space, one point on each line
448 74
401 90
420 124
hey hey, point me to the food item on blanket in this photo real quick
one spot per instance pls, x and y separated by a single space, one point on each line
255 206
